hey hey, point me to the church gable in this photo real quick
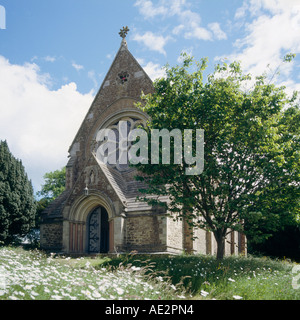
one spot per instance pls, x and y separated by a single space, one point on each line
120 90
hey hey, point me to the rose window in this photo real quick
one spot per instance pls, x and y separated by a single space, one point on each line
114 143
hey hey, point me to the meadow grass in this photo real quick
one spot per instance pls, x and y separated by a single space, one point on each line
235 277
29 275
32 275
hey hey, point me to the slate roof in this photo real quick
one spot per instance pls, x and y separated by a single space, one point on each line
55 208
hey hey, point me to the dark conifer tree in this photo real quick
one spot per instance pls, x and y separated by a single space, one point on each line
17 204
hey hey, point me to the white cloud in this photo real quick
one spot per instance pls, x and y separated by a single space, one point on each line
50 59
110 56
154 70
92 76
34 58
198 33
39 124
256 7
178 29
147 9
165 8
216 29
190 25
241 11
272 32
152 41
76 66
189 21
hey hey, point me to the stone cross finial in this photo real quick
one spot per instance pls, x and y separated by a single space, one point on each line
123 32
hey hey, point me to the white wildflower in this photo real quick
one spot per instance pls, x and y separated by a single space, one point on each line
86 293
237 297
134 268
92 287
204 293
120 291
96 294
29 287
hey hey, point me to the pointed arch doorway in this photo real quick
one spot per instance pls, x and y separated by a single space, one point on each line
98 231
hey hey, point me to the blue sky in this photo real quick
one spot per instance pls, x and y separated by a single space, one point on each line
55 54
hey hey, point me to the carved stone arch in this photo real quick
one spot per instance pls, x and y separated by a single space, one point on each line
121 123
79 220
120 108
117 116
85 204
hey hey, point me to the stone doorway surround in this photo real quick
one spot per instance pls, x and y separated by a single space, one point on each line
76 227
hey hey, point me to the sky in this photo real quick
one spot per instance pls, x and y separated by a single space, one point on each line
54 56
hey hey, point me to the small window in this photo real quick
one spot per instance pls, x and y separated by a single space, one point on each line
123 76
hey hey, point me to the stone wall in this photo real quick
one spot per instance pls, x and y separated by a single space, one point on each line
174 235
145 233
199 245
51 236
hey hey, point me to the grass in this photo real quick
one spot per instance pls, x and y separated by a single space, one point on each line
247 278
33 275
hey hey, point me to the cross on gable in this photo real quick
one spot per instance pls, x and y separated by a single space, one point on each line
123 32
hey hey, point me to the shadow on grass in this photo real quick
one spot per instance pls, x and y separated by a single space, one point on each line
197 273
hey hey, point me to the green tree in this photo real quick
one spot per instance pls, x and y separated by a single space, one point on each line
54 184
17 204
244 156
277 206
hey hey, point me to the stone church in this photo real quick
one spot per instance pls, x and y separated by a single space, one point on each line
98 211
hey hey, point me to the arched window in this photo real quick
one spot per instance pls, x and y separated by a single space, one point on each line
121 129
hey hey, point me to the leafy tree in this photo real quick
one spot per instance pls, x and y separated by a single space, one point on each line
54 184
246 153
17 204
277 206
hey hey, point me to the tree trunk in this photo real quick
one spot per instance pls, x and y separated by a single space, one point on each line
187 237
220 246
220 250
